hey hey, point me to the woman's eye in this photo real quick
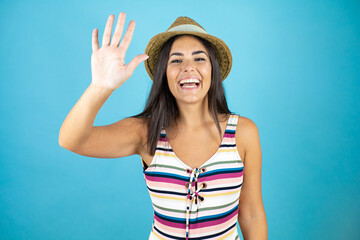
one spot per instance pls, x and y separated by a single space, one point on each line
200 59
175 61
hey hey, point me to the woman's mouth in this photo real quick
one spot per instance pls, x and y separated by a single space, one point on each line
189 83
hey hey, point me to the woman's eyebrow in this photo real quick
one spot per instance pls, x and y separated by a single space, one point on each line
198 52
193 53
176 54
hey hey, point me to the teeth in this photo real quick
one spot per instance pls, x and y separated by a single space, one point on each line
188 86
190 80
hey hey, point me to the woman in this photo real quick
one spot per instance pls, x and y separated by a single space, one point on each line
197 155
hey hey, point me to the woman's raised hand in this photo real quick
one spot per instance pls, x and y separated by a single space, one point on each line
108 69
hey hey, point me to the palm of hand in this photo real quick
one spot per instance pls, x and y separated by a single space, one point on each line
108 62
109 68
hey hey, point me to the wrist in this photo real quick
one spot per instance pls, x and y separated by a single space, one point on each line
101 89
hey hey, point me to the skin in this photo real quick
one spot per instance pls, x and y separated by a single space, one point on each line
189 58
195 126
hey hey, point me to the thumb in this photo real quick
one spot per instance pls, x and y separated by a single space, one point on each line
135 62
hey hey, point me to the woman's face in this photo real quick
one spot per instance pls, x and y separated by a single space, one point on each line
188 70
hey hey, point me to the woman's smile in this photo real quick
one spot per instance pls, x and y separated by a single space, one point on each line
189 70
189 83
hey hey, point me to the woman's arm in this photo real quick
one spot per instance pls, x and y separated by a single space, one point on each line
109 72
252 217
77 134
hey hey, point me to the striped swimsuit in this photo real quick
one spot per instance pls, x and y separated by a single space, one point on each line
198 203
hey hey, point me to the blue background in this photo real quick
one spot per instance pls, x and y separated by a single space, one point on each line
296 74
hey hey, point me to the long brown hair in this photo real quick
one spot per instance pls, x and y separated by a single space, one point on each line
161 108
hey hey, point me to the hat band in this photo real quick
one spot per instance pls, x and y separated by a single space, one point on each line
187 28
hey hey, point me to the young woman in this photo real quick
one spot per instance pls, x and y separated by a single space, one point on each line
197 155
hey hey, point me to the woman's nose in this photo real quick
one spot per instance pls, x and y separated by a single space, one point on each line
188 66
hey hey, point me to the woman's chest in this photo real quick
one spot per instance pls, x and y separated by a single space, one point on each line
195 150
196 147
197 153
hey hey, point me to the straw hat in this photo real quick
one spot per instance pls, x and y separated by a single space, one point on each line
185 25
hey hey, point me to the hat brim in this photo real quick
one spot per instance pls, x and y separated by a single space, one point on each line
155 44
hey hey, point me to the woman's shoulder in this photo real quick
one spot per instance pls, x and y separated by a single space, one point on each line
245 121
246 124
246 129
139 124
137 120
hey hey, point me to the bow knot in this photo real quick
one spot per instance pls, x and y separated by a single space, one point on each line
192 195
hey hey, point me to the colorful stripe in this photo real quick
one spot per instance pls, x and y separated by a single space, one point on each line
186 208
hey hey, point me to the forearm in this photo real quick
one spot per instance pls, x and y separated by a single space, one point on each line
254 228
77 126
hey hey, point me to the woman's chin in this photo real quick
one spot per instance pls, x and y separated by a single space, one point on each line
190 99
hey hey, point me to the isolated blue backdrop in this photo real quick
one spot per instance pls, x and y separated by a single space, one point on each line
296 74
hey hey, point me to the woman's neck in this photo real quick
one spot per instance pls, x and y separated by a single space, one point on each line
194 115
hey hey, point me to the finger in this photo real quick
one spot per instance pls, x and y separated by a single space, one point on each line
135 62
127 38
107 32
95 41
118 30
